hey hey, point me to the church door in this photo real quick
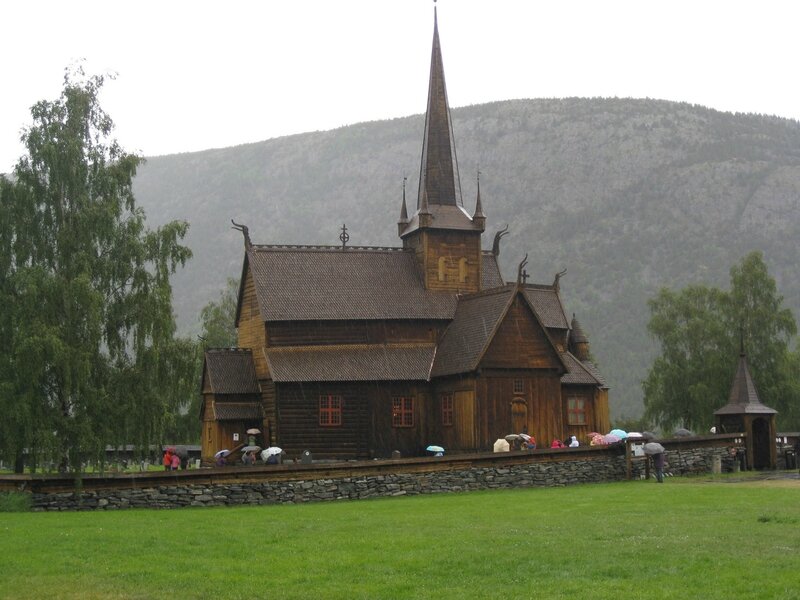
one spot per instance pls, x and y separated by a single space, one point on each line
519 416
464 416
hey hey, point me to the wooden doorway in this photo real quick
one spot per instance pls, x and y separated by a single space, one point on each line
464 417
761 441
519 416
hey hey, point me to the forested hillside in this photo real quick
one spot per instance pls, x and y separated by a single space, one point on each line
627 195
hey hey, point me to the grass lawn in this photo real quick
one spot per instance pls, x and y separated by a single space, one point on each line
687 538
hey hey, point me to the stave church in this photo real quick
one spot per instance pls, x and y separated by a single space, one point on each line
359 352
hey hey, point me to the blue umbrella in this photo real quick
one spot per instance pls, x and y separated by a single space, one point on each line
439 451
619 433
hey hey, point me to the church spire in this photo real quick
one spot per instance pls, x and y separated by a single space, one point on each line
438 181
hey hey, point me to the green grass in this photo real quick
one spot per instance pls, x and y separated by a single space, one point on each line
14 502
687 538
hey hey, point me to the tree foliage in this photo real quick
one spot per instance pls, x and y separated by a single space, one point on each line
89 354
219 318
700 330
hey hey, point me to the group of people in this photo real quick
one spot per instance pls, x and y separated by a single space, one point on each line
573 443
172 461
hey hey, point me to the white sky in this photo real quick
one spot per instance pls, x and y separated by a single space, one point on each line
198 74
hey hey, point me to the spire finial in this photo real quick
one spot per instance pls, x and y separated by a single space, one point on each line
344 236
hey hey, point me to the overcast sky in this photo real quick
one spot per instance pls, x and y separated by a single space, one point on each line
197 74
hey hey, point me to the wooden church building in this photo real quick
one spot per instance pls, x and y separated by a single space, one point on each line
354 352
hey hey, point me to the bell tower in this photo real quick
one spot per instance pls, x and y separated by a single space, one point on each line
445 238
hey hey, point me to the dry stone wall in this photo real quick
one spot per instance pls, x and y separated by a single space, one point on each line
305 487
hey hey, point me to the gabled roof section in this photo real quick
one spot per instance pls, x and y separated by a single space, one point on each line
580 373
468 336
361 362
230 371
546 302
297 283
744 398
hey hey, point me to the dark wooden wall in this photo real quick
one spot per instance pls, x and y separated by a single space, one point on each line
521 343
307 333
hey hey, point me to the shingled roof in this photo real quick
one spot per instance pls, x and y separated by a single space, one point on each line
230 371
467 337
744 398
237 411
399 362
580 373
297 283
547 304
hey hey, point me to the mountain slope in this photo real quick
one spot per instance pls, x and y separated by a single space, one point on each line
627 195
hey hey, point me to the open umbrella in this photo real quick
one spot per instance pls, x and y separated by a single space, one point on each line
598 440
649 435
682 432
221 453
525 437
611 439
621 434
251 448
253 431
634 434
501 445
269 452
512 437
653 448
434 449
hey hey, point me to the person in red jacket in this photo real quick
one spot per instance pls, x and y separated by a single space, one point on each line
167 461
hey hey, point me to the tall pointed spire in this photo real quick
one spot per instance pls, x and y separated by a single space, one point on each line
439 202
478 216
438 180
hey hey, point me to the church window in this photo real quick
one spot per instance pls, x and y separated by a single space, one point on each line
330 411
462 270
519 387
447 409
442 266
576 410
402 411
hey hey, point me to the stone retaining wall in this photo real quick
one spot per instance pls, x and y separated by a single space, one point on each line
291 488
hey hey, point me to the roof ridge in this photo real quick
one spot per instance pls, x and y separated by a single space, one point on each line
230 350
506 287
339 347
325 248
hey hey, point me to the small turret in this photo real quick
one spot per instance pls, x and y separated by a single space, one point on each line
578 342
403 222
479 218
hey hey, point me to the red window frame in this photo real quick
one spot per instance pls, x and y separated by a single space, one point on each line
447 409
576 410
402 411
330 410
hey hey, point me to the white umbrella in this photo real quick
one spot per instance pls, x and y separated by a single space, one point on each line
253 431
251 449
222 453
501 446
434 449
271 451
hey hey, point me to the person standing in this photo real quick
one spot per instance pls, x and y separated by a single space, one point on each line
167 460
659 460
